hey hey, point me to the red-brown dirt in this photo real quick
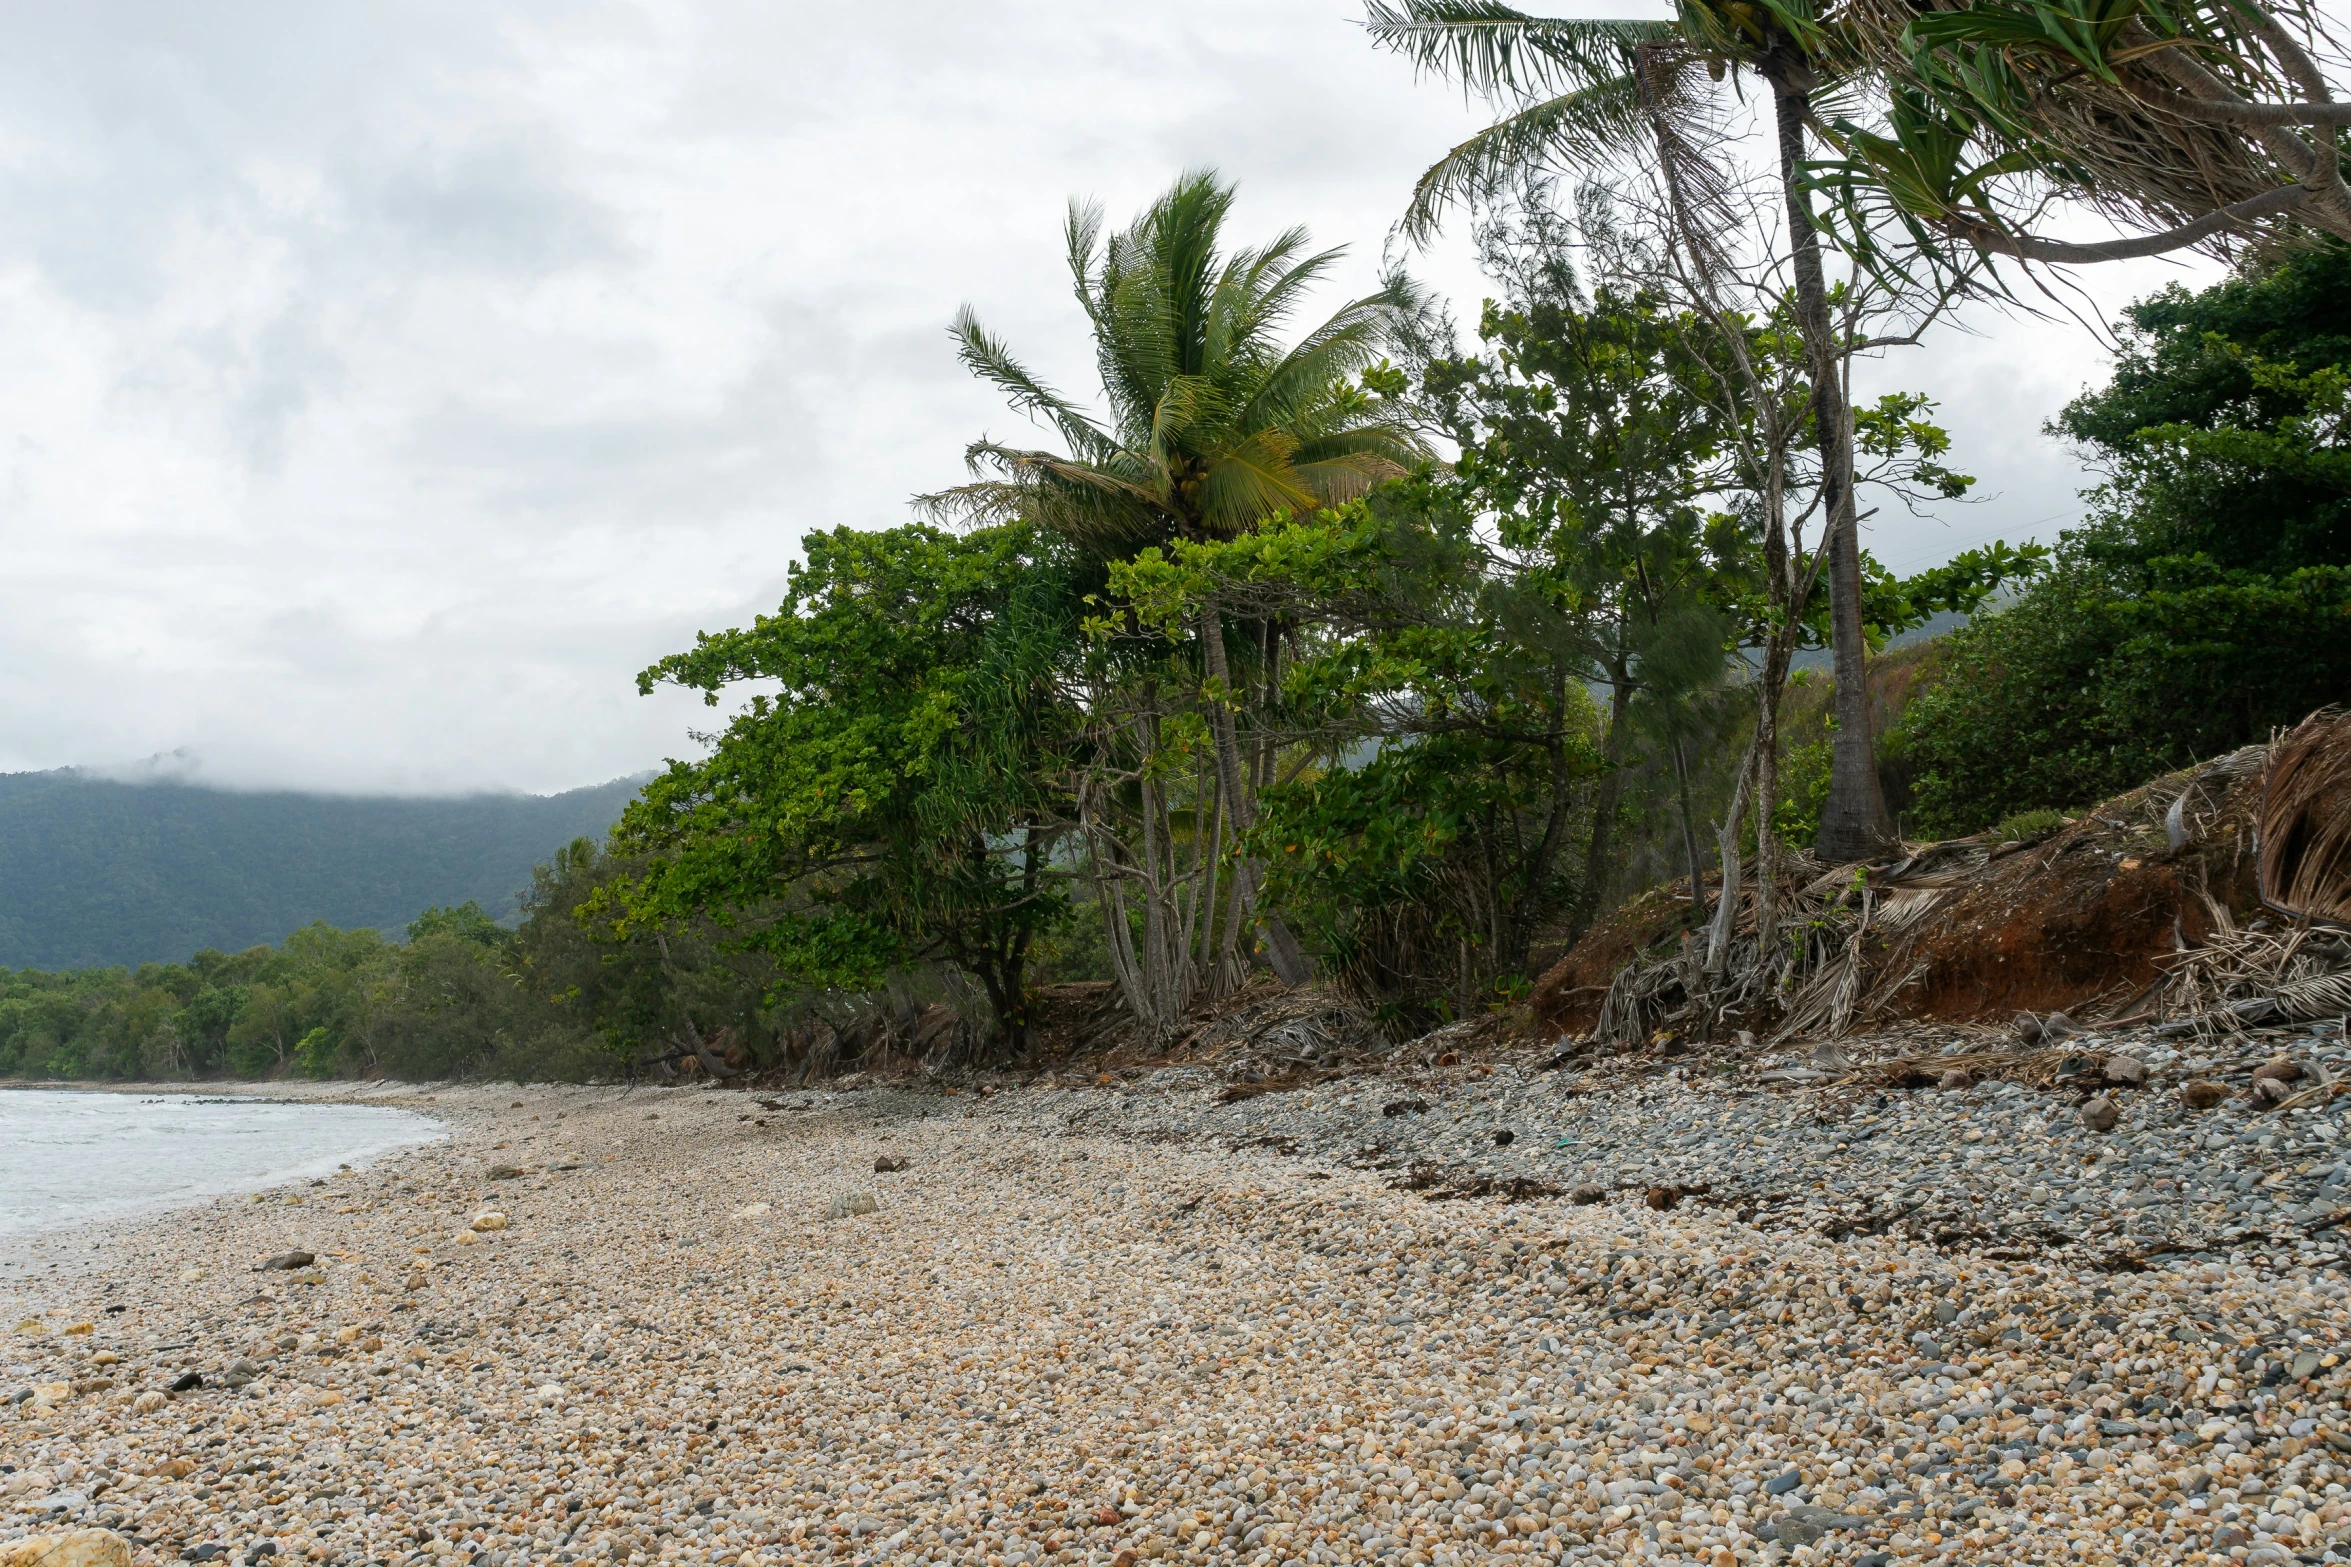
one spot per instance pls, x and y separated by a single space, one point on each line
2079 921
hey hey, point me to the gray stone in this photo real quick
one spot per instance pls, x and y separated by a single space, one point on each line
1781 1485
849 1204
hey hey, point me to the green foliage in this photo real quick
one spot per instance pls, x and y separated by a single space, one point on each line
1804 790
2028 826
464 923
463 997
95 873
2207 599
2102 677
2223 423
898 799
1449 709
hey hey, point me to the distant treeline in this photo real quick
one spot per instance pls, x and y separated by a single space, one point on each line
463 996
95 873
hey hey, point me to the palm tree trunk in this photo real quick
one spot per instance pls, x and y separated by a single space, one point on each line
1854 822
1289 961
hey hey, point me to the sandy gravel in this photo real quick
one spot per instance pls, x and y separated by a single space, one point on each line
1057 1338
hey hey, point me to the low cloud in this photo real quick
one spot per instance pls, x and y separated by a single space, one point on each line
387 386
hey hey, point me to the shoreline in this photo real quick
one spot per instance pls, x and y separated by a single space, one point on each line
100 1214
1089 1322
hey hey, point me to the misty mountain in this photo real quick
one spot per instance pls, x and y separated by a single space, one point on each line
95 872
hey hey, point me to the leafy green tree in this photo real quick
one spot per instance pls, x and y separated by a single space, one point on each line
2107 674
898 799
2193 127
466 922
2208 597
1456 739
1594 438
1604 95
1212 427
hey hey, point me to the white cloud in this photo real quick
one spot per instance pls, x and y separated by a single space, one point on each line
386 385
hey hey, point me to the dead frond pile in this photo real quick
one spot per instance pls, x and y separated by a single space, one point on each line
2241 977
1801 965
1278 1038
2305 822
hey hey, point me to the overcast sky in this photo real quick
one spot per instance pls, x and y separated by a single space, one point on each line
383 386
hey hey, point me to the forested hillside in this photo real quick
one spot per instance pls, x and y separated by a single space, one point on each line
95 873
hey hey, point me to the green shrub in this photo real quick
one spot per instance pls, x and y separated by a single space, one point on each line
2028 826
2102 677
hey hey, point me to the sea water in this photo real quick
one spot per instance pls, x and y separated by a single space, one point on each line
69 1158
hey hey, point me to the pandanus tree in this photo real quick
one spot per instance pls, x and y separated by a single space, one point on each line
2205 125
1212 423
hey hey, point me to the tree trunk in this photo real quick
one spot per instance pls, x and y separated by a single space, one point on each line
1681 778
1289 961
1536 870
1854 822
1604 799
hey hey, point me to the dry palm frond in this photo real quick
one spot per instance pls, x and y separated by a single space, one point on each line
2305 821
2151 131
2243 977
1309 1030
2036 1068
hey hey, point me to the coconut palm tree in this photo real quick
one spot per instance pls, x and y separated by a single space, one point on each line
1593 94
1211 425
2206 126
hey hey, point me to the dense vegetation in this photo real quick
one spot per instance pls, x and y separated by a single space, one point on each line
2206 599
1237 674
461 995
95 873
1352 650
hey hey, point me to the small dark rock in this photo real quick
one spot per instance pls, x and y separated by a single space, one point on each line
885 1165
2127 1071
2203 1094
1585 1196
1662 1198
189 1382
1781 1485
1396 1107
203 1553
2101 1114
286 1262
1505 1137
504 1172
1957 1078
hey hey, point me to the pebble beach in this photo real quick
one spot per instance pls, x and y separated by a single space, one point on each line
1135 1321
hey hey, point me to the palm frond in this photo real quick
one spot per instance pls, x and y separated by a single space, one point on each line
991 361
1088 506
1263 286
1353 337
1251 483
1498 52
1595 126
